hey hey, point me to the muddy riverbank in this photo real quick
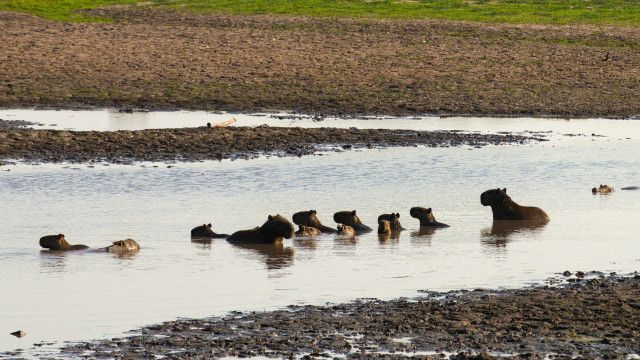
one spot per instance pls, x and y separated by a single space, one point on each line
203 143
587 318
158 59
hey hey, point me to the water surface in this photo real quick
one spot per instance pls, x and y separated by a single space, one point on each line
75 296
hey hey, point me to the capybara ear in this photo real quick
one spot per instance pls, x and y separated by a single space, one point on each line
398 215
353 213
313 212
209 225
270 217
60 236
505 190
428 210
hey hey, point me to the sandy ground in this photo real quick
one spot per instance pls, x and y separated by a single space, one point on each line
595 318
205 143
161 59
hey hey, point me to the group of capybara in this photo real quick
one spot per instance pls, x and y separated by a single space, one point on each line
349 224
278 227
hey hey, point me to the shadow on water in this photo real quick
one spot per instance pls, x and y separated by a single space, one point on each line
424 235
276 255
53 261
502 232
389 238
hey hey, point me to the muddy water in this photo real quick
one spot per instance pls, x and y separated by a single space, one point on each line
58 297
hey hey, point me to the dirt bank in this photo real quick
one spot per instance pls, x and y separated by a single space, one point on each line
204 143
167 59
595 318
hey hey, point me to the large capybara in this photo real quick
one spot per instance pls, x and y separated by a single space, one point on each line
351 219
393 219
58 242
276 228
123 246
346 230
602 189
426 217
307 231
504 208
310 218
205 231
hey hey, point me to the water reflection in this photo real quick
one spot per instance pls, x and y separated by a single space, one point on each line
308 244
501 232
52 260
275 255
390 237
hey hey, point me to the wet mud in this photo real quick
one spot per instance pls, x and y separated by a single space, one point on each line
203 143
589 316
158 59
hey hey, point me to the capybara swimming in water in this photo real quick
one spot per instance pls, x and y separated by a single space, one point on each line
602 189
310 218
351 219
58 242
276 228
384 227
307 231
393 219
123 246
426 217
504 208
346 230
205 231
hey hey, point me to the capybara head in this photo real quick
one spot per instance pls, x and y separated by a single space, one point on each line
203 230
594 190
307 218
422 214
393 219
279 226
54 242
345 230
123 246
494 197
347 217
384 227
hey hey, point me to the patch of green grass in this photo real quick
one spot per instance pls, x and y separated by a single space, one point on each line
63 10
596 12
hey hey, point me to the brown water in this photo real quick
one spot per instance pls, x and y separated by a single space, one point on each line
75 296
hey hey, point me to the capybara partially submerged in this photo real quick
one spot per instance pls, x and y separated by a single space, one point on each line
205 231
309 218
346 230
276 228
123 246
602 189
426 217
504 208
58 242
307 231
351 219
384 227
393 219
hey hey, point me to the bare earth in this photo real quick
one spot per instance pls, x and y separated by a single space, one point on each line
161 59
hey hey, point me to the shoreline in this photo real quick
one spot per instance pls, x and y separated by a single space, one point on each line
589 315
203 143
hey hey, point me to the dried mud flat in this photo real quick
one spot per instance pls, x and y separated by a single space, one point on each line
587 318
203 143
161 59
